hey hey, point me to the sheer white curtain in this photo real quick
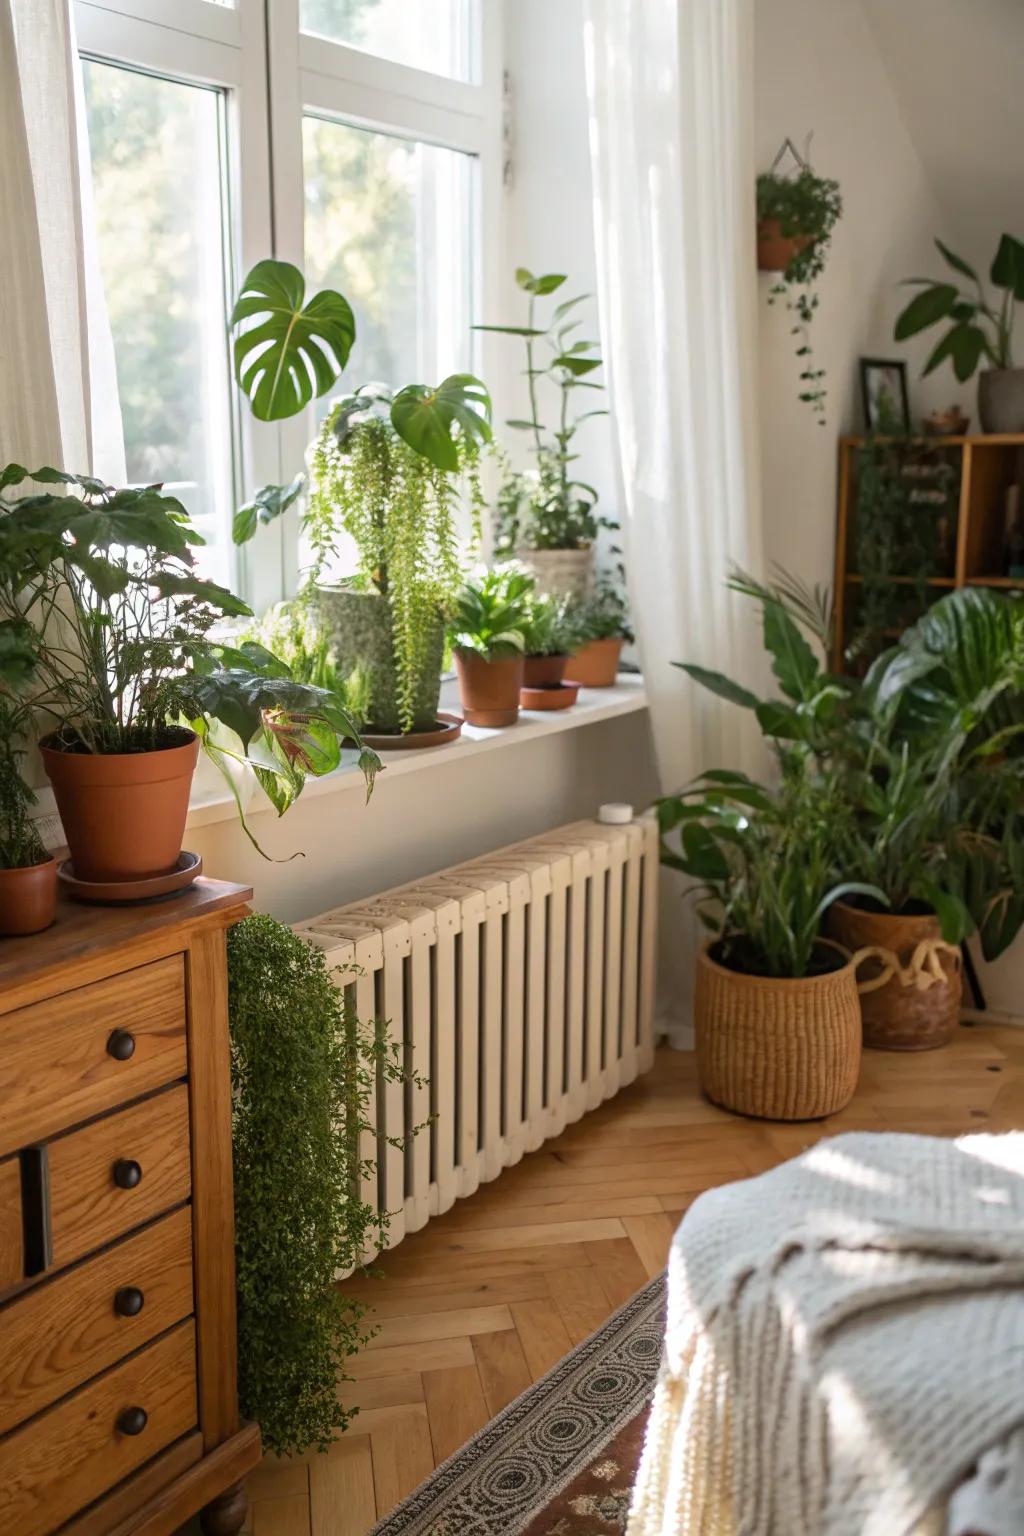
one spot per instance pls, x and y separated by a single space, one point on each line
58 386
671 105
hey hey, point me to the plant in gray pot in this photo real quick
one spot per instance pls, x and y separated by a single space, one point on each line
980 330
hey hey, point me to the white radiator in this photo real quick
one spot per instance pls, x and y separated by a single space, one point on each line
521 986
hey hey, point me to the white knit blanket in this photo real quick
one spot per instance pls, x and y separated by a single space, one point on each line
845 1338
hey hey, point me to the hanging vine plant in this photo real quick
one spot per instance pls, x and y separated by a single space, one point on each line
796 214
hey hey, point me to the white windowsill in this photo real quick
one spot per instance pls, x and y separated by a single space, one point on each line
593 705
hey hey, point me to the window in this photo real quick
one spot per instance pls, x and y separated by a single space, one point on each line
381 124
158 186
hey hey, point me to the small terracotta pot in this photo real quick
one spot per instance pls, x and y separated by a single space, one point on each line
775 250
28 898
775 1047
596 664
900 1016
123 812
549 696
541 671
489 689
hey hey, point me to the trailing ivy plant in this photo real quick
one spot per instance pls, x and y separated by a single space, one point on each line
304 1073
807 208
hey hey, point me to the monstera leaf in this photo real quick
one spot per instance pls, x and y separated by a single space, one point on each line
424 417
269 502
292 353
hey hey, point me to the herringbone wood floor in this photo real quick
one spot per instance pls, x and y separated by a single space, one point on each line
487 1298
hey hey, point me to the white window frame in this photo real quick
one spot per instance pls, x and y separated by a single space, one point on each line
202 43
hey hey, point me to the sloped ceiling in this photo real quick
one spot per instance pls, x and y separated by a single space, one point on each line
957 68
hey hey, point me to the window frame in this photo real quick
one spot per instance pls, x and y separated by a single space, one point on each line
272 73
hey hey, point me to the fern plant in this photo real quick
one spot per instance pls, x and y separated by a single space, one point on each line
20 844
304 1072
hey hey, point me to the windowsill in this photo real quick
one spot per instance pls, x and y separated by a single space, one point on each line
594 705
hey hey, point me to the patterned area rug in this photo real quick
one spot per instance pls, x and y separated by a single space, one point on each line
561 1459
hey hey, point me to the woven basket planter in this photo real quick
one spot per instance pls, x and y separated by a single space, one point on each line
777 1048
560 572
910 982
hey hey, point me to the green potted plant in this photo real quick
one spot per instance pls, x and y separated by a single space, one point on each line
980 330
797 212
603 628
547 518
110 631
486 633
776 1008
28 872
550 635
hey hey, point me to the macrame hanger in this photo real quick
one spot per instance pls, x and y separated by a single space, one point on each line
803 161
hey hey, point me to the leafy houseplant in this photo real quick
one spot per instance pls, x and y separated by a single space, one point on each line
304 1074
487 634
109 630
549 509
603 628
551 633
980 329
28 873
796 215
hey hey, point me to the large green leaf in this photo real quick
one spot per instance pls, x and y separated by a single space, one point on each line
268 503
793 661
718 683
425 417
932 304
293 352
957 262
1008 266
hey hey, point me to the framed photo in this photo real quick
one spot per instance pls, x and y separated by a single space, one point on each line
883 384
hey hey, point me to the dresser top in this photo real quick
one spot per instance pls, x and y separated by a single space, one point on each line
83 931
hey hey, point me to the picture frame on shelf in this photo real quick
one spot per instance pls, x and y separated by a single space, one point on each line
886 401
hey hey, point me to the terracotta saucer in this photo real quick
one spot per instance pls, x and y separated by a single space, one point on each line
116 892
549 696
446 728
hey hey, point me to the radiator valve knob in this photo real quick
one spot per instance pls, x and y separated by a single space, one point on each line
615 814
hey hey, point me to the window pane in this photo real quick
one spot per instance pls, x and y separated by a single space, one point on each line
389 222
156 164
438 35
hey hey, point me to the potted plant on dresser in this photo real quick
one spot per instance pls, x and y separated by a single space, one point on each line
547 518
28 872
109 630
776 1009
486 633
980 330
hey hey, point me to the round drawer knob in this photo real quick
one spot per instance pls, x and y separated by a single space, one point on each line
133 1421
129 1301
121 1045
127 1173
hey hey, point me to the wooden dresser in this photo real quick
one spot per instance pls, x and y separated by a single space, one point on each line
118 1399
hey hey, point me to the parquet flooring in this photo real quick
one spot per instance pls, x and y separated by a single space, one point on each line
485 1299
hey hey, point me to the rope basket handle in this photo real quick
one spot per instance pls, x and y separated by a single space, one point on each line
923 972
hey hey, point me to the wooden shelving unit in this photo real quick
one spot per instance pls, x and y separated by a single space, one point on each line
987 467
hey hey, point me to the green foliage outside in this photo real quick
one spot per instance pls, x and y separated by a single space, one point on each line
304 1073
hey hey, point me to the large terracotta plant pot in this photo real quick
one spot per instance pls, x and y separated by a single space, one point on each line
544 671
910 982
28 898
123 812
1001 399
596 664
560 572
489 689
777 1048
775 250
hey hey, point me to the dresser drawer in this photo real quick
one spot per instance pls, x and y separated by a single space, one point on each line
117 1173
12 1255
58 1335
88 1050
62 1460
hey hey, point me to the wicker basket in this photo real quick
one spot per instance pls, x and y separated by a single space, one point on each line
776 1048
918 1008
560 572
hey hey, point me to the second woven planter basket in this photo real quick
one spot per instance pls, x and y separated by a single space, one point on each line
777 1048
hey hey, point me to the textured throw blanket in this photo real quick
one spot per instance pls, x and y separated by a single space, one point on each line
845 1340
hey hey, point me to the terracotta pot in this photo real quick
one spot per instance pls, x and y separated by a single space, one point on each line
774 1047
596 664
28 898
123 812
542 671
489 689
901 1015
549 696
775 250
560 572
